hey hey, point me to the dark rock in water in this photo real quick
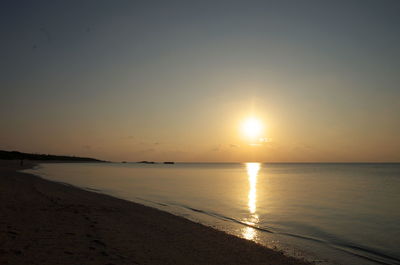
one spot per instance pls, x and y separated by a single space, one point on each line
146 162
170 163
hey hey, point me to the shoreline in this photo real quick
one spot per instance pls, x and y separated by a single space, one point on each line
44 222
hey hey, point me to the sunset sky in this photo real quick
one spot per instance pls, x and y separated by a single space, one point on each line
175 80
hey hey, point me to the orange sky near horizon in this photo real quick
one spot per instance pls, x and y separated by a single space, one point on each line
201 137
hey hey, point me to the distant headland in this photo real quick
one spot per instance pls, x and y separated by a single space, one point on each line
14 155
152 162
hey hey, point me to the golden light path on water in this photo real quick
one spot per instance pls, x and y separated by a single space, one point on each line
252 174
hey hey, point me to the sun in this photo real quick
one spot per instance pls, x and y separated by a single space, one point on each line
252 128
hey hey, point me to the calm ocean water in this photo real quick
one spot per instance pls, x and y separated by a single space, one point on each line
329 213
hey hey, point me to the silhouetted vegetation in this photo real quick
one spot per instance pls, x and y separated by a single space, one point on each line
10 155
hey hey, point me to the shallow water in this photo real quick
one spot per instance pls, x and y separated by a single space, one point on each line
329 213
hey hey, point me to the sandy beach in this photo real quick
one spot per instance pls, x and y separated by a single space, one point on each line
42 222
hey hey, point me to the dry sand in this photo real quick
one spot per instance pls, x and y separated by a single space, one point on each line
43 222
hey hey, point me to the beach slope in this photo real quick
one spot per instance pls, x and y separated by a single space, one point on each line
43 222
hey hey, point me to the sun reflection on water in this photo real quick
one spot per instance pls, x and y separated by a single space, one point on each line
252 174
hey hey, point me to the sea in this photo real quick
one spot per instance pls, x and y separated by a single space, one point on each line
328 213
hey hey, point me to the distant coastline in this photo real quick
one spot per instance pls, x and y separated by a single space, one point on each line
15 155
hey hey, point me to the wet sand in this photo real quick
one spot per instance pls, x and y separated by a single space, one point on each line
43 222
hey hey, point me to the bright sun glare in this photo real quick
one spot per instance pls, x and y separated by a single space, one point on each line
252 128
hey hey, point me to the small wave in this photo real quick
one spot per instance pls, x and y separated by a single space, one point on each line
92 189
150 201
369 254
352 249
226 218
